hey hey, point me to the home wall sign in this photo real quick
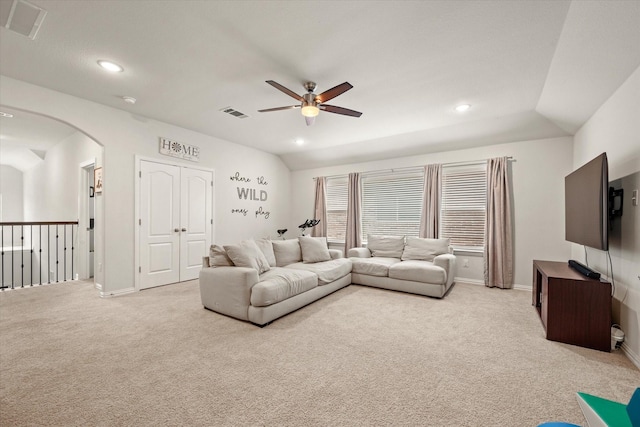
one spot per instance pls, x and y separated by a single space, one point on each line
179 150
246 192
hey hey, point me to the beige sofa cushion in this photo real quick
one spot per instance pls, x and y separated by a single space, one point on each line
327 271
247 254
424 249
314 249
418 271
385 246
286 252
279 284
218 257
378 266
267 249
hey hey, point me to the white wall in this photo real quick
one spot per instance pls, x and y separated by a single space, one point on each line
51 187
615 129
123 136
538 172
11 182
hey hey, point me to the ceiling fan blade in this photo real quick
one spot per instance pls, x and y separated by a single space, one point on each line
278 108
340 110
285 90
333 92
310 120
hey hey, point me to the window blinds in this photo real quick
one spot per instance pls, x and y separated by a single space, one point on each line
463 205
392 203
336 208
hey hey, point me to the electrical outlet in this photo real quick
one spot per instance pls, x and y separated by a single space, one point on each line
465 263
634 197
100 267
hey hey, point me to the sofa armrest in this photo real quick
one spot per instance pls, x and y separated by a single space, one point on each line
227 290
448 262
205 262
335 253
359 253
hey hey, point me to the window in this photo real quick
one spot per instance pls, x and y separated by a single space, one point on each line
392 203
336 208
463 205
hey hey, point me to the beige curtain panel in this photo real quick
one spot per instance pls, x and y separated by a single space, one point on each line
498 245
320 210
430 217
352 237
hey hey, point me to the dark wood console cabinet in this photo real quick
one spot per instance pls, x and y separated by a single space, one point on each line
574 309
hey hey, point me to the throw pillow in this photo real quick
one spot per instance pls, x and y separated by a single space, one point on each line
424 249
287 252
218 257
267 249
314 249
385 246
247 254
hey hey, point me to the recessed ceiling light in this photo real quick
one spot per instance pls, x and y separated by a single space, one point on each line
110 66
129 99
462 108
300 141
7 115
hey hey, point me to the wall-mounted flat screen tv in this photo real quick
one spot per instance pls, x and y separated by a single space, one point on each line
586 193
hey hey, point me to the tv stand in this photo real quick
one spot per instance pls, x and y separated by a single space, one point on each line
583 269
573 309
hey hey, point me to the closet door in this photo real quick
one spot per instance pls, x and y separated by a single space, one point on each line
196 220
159 224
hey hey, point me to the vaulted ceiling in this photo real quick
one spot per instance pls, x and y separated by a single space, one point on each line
529 69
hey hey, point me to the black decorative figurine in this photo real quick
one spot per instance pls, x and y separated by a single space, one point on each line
308 224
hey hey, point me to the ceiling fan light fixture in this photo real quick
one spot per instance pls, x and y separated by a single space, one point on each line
310 110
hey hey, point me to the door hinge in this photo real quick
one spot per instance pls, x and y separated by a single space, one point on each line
212 221
139 269
140 174
212 183
140 221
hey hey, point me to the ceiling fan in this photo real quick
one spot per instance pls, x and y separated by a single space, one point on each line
311 104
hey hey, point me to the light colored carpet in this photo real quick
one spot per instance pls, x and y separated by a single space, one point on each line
361 356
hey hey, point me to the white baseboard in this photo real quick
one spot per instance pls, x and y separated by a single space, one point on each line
635 359
481 283
98 286
469 281
117 293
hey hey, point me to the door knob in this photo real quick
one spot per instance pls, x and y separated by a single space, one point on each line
177 230
184 229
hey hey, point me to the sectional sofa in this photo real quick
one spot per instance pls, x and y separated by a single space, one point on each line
415 265
262 280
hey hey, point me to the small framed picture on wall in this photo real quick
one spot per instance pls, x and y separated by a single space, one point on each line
97 180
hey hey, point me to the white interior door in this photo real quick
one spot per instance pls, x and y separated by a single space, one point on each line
159 224
196 219
175 222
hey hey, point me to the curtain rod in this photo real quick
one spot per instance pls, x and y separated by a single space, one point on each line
466 163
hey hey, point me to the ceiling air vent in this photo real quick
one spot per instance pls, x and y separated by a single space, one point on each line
233 112
23 18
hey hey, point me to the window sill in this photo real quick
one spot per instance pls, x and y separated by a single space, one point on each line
469 251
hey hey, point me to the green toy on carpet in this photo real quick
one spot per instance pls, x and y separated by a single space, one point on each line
601 412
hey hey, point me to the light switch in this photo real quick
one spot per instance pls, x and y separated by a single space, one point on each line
634 197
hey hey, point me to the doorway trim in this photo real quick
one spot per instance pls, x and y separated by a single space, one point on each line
84 266
137 175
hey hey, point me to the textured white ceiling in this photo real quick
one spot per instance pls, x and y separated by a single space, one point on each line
410 63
